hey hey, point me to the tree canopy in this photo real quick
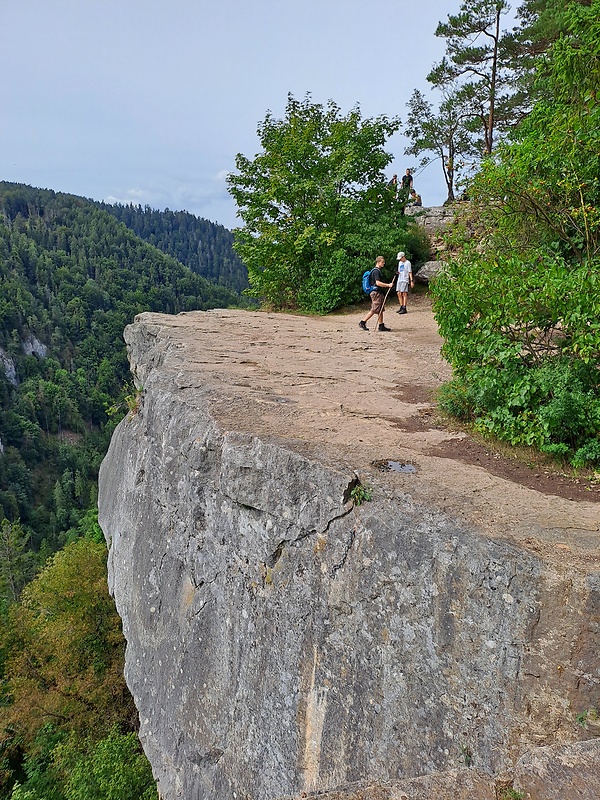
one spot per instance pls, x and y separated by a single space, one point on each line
316 206
203 246
519 312
65 703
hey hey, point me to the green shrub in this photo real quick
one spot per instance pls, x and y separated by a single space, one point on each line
524 346
112 769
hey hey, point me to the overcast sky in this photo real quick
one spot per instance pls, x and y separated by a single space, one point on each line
148 101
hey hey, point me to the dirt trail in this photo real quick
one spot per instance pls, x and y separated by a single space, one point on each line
369 398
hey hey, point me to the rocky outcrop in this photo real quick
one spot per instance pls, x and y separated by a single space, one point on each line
283 638
33 347
436 221
30 346
9 368
428 271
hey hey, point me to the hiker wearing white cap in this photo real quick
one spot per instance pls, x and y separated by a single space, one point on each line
405 277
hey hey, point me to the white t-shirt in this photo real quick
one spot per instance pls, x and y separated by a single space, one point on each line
404 271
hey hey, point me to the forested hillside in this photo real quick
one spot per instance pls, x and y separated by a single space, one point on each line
203 246
72 277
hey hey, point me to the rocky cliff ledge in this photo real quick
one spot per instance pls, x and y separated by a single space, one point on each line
283 640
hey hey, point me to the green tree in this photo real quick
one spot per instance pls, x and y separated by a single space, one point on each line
307 201
64 660
443 134
532 196
477 62
519 312
17 561
113 768
542 22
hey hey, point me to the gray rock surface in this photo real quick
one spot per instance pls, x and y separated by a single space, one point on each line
454 784
32 346
8 365
436 222
280 638
434 218
561 772
428 271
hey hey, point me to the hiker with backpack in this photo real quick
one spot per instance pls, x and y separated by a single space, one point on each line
372 280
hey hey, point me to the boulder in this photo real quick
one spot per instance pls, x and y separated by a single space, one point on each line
428 271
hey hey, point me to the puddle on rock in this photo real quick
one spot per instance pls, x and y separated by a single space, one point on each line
395 466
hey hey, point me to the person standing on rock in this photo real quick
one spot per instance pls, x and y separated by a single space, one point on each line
407 181
404 279
377 296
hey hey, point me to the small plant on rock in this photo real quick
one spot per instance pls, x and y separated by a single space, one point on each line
508 793
361 494
129 403
589 718
466 755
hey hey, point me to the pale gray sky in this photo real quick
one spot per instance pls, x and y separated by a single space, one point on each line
150 100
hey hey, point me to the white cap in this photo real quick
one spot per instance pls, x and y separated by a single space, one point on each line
400 255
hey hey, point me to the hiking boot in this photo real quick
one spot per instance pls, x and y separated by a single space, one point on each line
362 324
402 310
382 327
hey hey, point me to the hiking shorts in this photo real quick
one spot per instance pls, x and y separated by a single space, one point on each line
376 302
402 286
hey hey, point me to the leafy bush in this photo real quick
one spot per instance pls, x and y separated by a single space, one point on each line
520 309
70 768
112 769
524 341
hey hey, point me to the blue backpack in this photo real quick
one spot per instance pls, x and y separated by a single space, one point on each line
366 282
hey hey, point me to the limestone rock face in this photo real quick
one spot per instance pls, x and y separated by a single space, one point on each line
282 638
436 222
9 367
428 271
434 218
561 772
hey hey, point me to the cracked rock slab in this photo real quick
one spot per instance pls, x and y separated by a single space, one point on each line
281 639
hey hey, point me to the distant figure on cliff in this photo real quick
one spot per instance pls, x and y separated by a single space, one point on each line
407 181
377 296
415 199
405 277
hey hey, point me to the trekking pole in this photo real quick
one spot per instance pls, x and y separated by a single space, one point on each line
384 302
